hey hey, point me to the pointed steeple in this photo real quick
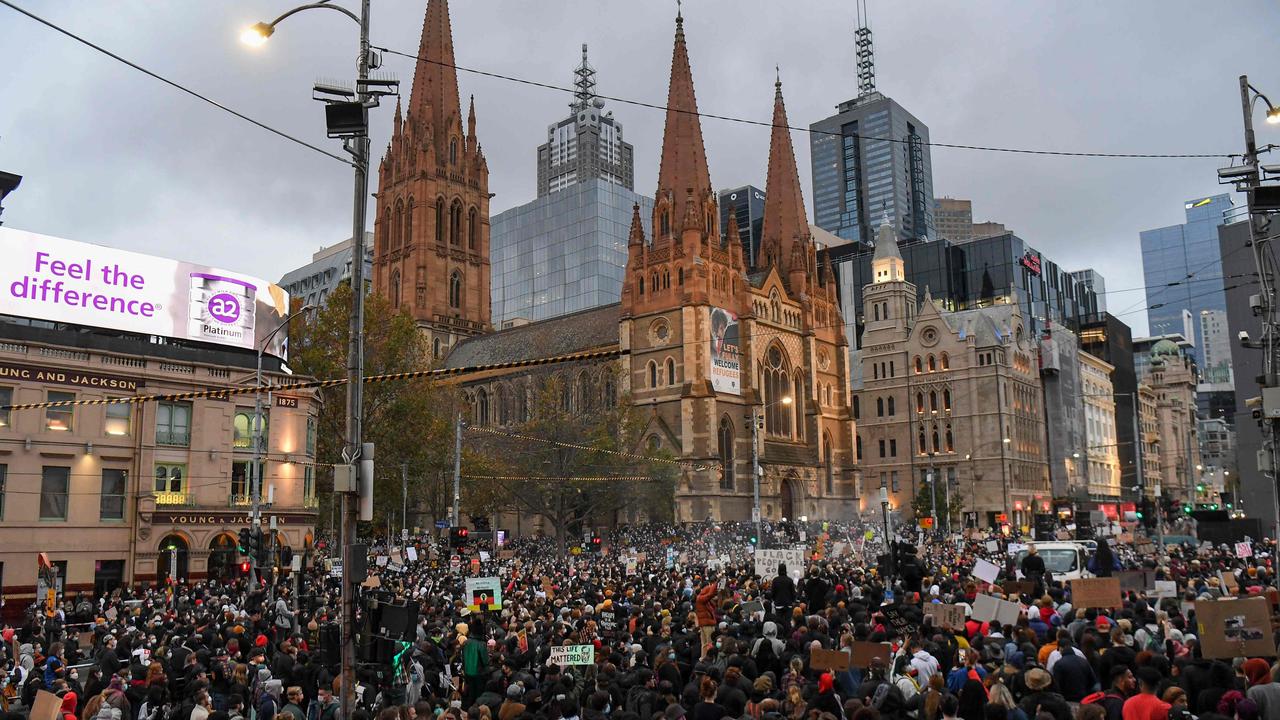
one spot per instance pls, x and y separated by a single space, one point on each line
435 81
785 221
471 125
636 236
684 159
886 262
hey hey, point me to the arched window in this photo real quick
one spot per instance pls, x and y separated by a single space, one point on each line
453 151
610 391
857 408
879 407
946 400
408 223
725 438
681 276
924 450
566 395
653 374
776 375
395 288
932 363
384 237
473 228
584 393
502 413
829 463
435 348
520 409
666 279
858 441
935 439
482 407
440 220
951 441
933 400
892 412
455 222
653 282
640 284
919 369
919 402
455 289
397 225
671 371
775 307
664 222
875 311
797 402
946 362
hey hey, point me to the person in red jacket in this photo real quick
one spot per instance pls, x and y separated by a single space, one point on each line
705 608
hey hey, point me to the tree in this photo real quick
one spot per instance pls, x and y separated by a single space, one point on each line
923 503
581 436
409 421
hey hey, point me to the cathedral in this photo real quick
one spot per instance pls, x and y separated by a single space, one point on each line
719 354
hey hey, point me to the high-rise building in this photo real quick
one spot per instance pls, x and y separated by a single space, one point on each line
329 267
431 236
746 204
987 229
1110 340
1216 342
586 145
1093 280
563 252
953 219
871 159
1182 270
1064 410
1172 376
1101 460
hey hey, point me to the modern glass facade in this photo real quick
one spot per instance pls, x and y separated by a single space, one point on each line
869 160
973 274
563 252
1169 255
747 205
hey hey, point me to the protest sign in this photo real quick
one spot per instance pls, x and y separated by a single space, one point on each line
985 571
484 593
767 562
752 607
945 615
898 618
1244 549
865 652
1136 580
1018 587
1096 593
993 546
572 655
987 608
46 706
506 554
1238 627
412 552
820 659
1165 589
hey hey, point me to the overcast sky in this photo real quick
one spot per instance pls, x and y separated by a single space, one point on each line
113 157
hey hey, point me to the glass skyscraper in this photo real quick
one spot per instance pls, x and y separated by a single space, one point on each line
1169 255
869 160
563 252
747 205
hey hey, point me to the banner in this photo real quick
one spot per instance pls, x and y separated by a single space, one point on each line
572 655
51 278
767 562
484 593
725 352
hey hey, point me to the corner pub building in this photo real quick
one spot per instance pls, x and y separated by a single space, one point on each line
137 493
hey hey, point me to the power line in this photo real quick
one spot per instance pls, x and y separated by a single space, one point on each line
762 123
53 26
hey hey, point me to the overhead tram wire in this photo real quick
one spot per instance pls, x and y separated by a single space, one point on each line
172 83
762 123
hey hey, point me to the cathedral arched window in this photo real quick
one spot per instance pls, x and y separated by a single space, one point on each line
397 225
946 400
408 223
919 367
652 369
829 464
933 365
725 438
919 402
455 222
440 220
388 230
951 441
892 410
946 362
777 386
875 311
501 410
924 450
879 407
653 282
455 289
935 439
482 407
584 392
473 228
933 401
453 151
640 284
858 440
395 288
797 403
671 371
664 222
680 276
609 393
435 348
857 408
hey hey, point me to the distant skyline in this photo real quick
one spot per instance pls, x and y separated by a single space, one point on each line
113 157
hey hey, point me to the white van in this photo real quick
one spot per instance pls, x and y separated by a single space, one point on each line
1066 560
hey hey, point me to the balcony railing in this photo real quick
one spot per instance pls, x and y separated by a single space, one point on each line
175 438
175 499
311 503
237 501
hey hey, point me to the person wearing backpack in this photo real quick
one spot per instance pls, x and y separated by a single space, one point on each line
1112 699
767 651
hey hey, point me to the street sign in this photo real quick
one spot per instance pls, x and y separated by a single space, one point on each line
755 514
442 524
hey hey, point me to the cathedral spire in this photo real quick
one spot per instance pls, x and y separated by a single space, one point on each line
684 159
435 81
785 221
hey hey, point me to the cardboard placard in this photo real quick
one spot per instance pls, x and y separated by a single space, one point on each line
1229 580
412 552
992 546
864 652
987 608
945 615
820 659
1018 587
1244 549
752 607
897 617
1136 580
547 587
985 570
484 593
767 562
46 706
85 641
1096 593
1239 627
1165 589
506 554
572 655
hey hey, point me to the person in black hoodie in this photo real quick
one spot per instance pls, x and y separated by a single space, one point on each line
783 594
816 588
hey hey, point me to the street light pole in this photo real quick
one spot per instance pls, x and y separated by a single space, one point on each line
757 419
888 539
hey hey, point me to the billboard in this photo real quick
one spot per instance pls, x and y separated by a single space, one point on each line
59 280
726 348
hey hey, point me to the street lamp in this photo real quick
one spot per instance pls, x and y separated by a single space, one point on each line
356 142
888 539
756 419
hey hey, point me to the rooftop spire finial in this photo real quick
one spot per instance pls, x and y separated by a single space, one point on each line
679 18
584 80
866 53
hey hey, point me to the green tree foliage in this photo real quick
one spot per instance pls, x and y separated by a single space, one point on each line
923 503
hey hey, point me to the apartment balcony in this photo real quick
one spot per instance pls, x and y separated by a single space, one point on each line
240 501
175 499
311 503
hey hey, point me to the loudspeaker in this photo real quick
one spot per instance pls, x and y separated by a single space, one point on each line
399 621
330 644
359 559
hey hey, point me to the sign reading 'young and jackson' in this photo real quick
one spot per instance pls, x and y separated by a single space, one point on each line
726 348
60 376
50 278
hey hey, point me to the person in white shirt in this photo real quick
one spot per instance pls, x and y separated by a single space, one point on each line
925 664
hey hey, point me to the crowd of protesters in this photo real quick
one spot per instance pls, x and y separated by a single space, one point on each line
682 626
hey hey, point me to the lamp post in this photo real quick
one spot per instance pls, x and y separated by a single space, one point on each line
888 539
255 472
757 419
356 143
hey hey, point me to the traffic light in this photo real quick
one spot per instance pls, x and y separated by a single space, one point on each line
1186 509
755 540
244 568
245 544
1200 488
595 543
457 537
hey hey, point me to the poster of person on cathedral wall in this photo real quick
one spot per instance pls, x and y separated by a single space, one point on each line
726 360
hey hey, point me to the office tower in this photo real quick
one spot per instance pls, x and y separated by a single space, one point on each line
1182 269
587 144
1093 280
746 204
330 266
871 159
1110 340
953 219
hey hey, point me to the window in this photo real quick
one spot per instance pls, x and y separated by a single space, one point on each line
933 364
455 222
242 428
875 371
671 371
726 454
919 368
241 482
882 447
119 417
858 442
473 228
397 225
664 223
891 370
308 485
395 289
891 408
107 576
170 478
111 504
408 223
59 418
482 407
893 447
893 480
923 449
933 400
946 362
876 311
653 374
173 424
54 490
857 408
6 399
4 479
453 151
440 221
830 465
455 289
435 348
951 444
879 407
946 400
311 435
